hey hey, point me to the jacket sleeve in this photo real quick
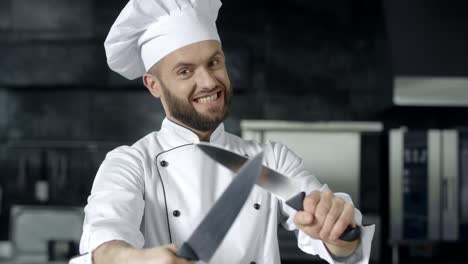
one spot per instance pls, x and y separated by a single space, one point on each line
285 161
115 206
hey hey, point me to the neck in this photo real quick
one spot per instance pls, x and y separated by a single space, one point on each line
202 135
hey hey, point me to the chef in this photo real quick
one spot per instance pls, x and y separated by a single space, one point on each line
148 198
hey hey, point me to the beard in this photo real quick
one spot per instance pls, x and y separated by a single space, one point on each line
183 111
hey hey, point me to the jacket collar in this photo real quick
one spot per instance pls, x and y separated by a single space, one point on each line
176 135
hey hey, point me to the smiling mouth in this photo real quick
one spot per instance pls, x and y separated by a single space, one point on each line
208 99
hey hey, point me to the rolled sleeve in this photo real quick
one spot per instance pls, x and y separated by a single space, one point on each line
116 205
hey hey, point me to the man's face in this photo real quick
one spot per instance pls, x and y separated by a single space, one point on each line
195 87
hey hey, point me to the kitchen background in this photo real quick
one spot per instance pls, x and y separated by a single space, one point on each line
361 68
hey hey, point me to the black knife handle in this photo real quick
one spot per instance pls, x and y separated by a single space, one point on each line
350 234
297 201
186 252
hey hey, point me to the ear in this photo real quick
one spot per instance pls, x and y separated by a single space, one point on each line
153 84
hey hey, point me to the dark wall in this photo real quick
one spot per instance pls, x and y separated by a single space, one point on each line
289 60
428 37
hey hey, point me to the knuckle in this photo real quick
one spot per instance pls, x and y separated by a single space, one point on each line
334 234
314 196
328 195
339 201
322 212
323 236
341 224
349 208
298 218
316 230
309 203
304 218
335 213
308 200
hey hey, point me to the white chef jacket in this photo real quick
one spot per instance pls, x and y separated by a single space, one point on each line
157 191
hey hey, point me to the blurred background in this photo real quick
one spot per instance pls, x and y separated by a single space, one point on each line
373 94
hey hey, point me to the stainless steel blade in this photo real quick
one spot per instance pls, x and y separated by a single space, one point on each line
211 231
276 183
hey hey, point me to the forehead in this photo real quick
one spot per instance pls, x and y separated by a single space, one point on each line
192 54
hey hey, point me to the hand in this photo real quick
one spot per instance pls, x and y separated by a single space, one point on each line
163 255
326 217
121 252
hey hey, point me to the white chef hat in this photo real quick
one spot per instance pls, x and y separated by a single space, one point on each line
147 30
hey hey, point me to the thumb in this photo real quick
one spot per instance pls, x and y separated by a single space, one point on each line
171 247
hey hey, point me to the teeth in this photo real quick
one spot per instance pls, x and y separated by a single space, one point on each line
207 99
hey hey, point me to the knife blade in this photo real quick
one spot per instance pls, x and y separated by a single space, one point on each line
276 183
211 231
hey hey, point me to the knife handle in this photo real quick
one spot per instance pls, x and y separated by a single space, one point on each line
186 252
350 234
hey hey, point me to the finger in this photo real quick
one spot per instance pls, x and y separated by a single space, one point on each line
303 218
177 260
312 230
346 219
311 201
171 247
331 218
323 207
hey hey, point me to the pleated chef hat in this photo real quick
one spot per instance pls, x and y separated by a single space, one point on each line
147 30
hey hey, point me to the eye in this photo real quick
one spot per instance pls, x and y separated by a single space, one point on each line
184 71
214 62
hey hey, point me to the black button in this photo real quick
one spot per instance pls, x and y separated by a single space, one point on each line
164 163
176 213
253 262
257 206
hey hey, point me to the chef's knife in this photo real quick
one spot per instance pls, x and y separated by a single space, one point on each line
211 231
272 181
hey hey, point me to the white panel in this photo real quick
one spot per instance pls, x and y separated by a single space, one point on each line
434 173
333 157
450 220
396 176
333 126
431 91
252 135
33 226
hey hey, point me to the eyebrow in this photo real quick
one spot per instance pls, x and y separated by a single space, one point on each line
182 63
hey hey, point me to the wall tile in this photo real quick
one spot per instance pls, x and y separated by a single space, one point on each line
3 112
307 107
48 115
247 106
115 80
5 15
48 64
52 18
105 13
238 66
369 105
124 115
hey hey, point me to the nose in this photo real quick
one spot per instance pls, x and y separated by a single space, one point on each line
206 79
